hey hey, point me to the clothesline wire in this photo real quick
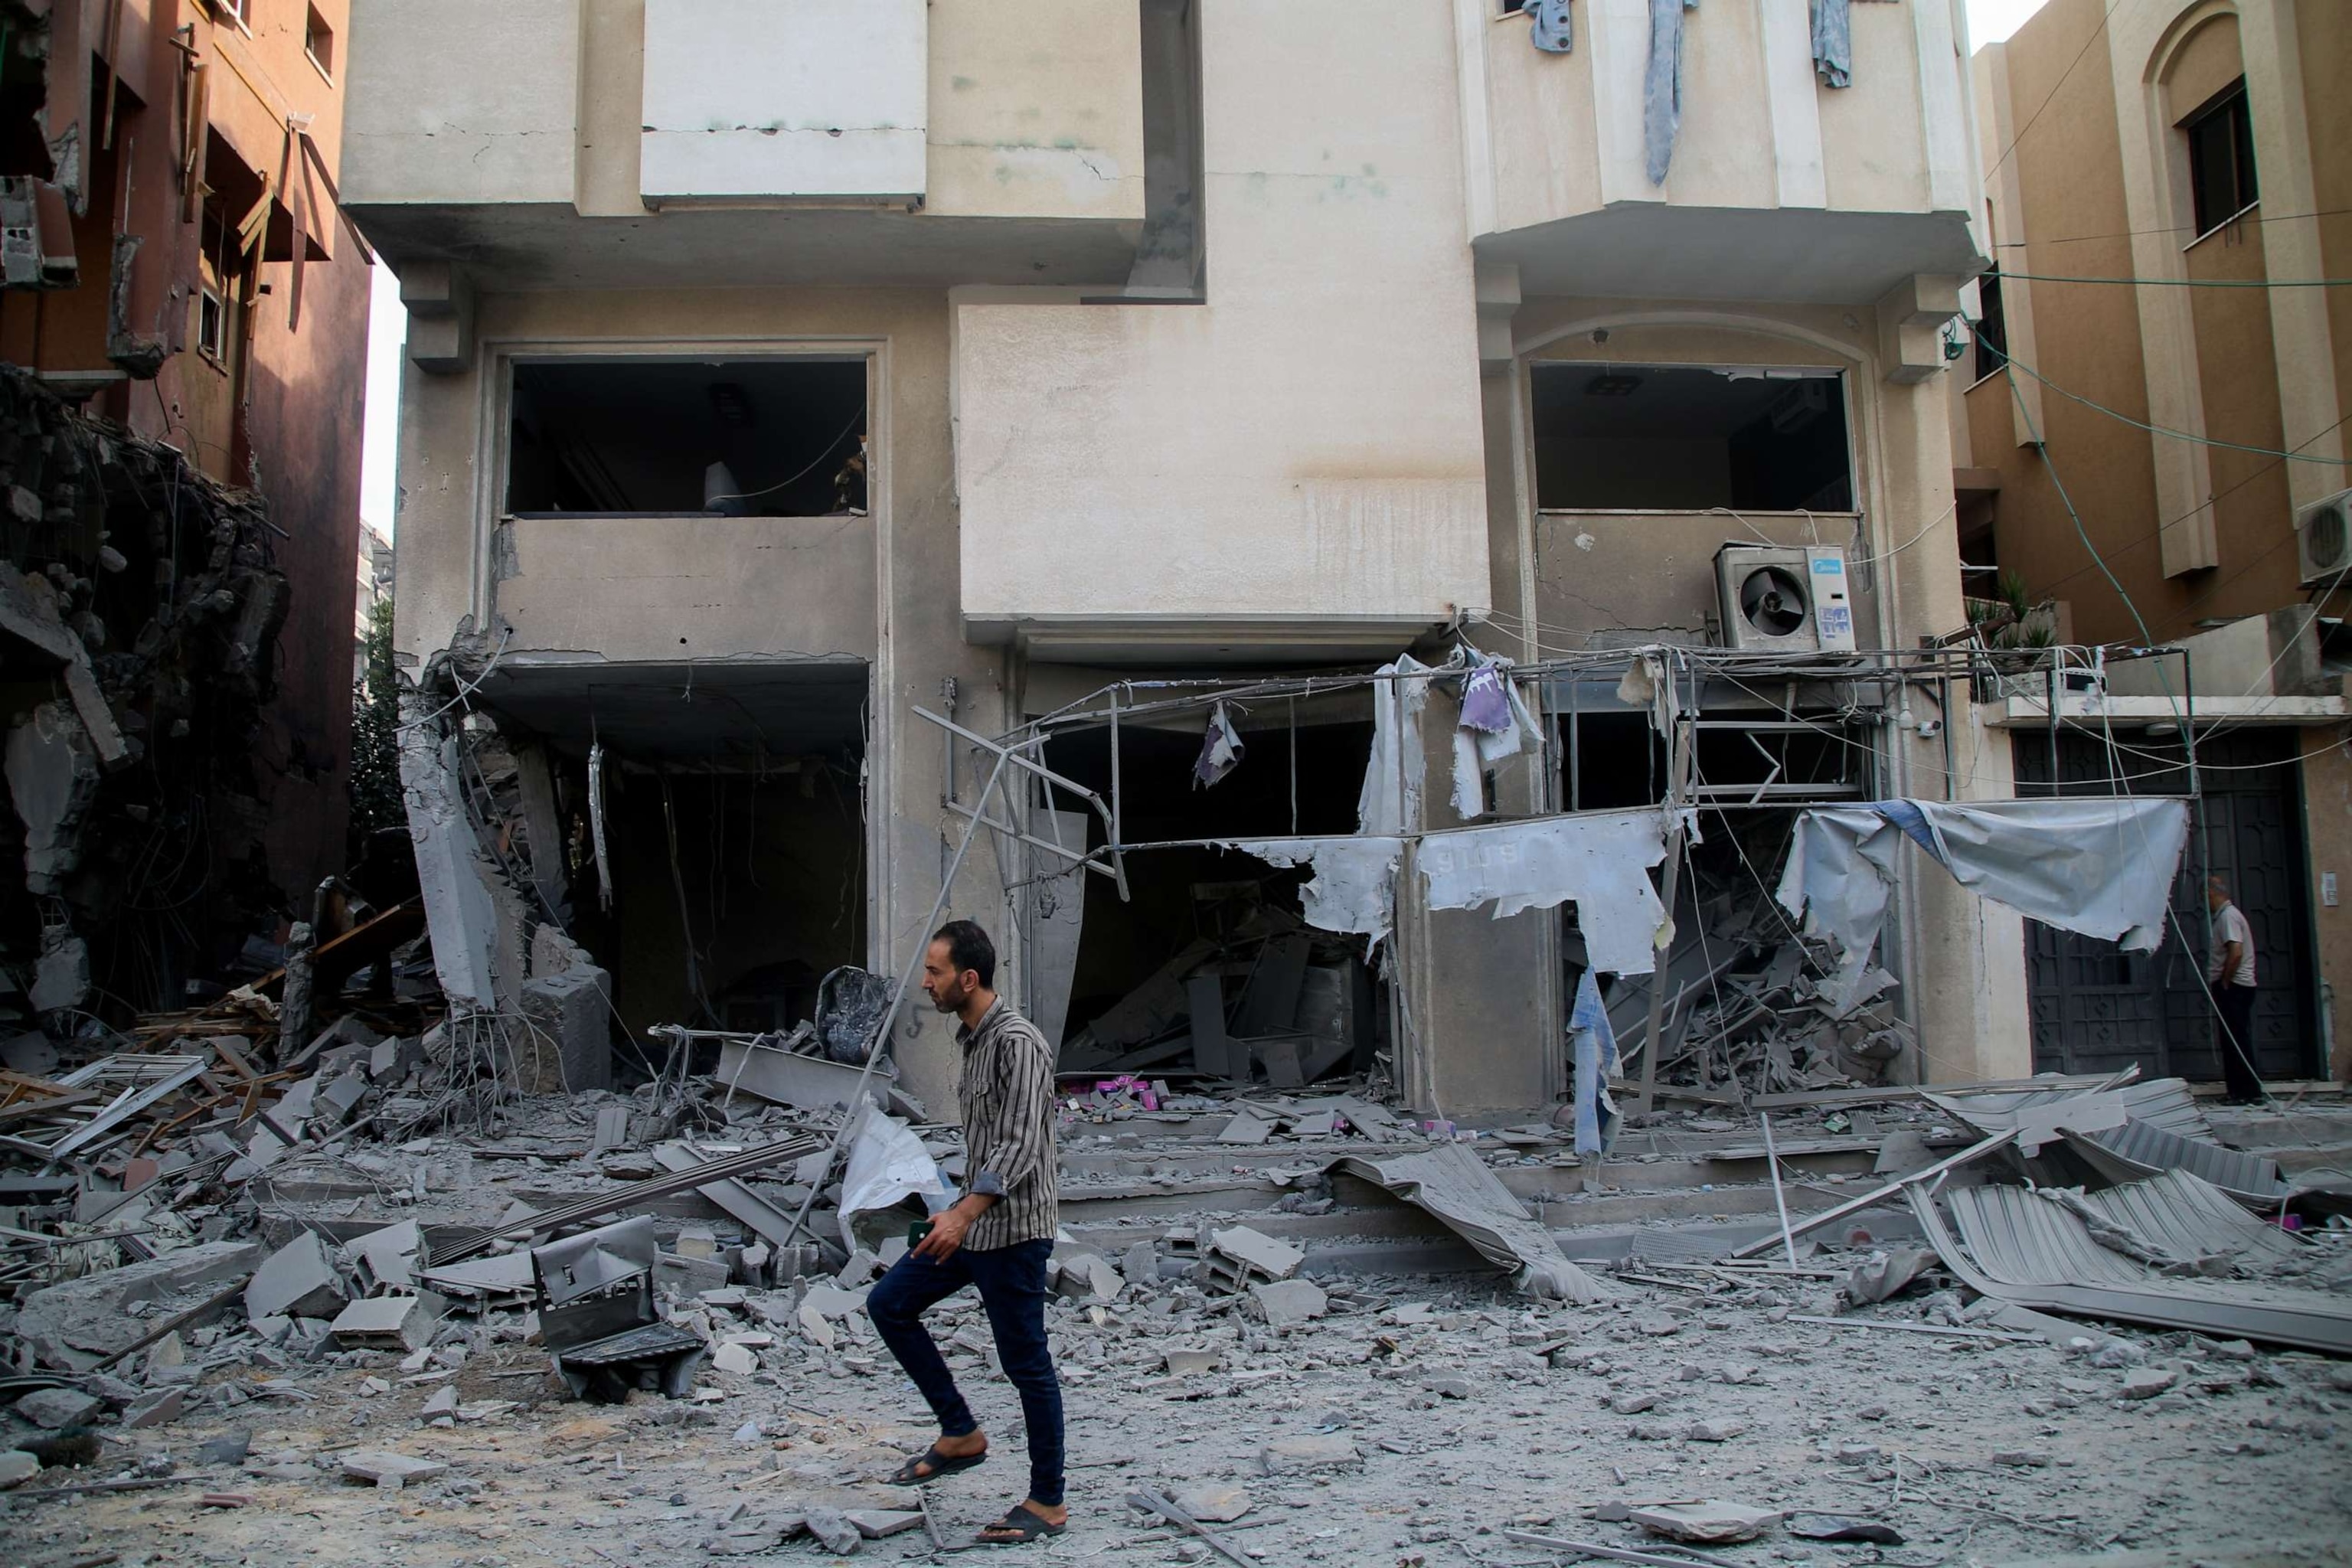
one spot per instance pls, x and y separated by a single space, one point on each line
2164 228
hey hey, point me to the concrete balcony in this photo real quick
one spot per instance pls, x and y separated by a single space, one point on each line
1631 577
614 143
626 589
1779 186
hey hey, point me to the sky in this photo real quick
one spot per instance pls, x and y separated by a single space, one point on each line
1990 21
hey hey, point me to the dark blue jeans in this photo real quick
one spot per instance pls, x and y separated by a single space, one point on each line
1012 1285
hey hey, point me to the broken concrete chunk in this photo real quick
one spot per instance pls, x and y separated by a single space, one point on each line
1140 1265
1087 1277
2147 1381
1290 1303
18 1467
1312 1451
1704 1523
1719 1431
298 1280
736 1358
443 1402
1214 1505
1192 1363
834 1531
879 1524
1247 1128
389 1471
157 1407
56 1408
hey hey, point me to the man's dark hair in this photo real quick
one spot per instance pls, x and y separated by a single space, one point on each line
968 948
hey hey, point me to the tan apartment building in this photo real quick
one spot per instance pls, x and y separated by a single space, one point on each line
2154 440
778 368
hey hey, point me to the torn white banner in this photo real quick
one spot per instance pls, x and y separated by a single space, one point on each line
1354 888
2101 866
1599 859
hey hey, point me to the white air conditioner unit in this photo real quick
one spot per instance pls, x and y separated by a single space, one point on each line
1784 599
2323 540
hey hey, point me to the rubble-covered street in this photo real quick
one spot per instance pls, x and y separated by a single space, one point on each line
327 1358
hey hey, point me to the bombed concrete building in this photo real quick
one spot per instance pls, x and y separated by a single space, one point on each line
182 320
833 433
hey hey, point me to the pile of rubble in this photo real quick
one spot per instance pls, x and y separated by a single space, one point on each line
1752 1006
142 595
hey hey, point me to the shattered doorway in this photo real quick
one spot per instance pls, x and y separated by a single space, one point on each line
1207 972
732 825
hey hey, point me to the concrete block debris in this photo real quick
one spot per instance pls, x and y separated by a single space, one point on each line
1311 1452
1706 1524
1238 1255
387 1322
382 1467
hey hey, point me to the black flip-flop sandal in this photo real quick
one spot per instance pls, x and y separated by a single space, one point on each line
1021 1525
912 1474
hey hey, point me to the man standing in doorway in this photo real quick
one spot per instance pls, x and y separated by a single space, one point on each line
996 1237
2230 969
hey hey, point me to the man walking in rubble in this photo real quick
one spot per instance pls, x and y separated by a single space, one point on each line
2230 971
995 1237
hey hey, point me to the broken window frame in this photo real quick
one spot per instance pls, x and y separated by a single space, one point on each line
1846 405
498 480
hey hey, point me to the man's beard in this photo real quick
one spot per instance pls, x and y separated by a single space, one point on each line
951 997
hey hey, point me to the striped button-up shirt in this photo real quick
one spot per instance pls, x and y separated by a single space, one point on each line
1006 1094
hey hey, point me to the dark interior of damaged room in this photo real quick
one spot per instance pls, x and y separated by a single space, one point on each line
659 436
733 828
1202 922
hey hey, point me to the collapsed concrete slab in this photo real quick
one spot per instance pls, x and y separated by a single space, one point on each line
77 1323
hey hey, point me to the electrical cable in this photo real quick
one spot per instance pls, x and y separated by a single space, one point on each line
2157 531
2187 282
2163 229
857 419
2096 33
2010 361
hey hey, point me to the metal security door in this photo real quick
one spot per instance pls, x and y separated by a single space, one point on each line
2096 1008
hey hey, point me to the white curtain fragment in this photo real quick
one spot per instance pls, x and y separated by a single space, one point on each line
1354 886
1599 859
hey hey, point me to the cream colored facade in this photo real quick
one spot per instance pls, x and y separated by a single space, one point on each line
1210 337
2121 310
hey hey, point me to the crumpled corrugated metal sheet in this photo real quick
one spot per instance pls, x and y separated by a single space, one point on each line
1452 1182
2017 1246
2164 1104
2138 1150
